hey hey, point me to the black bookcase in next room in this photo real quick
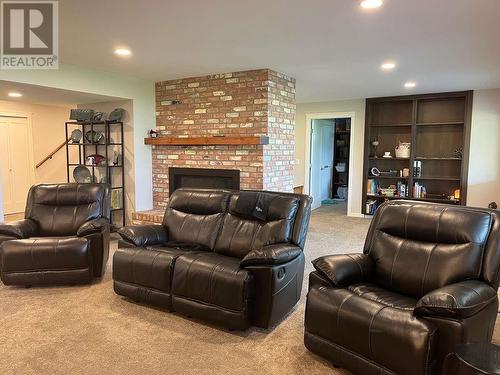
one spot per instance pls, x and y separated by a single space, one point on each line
417 147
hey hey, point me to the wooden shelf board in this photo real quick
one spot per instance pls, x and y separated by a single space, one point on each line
390 125
381 158
207 141
438 178
439 123
443 159
437 200
374 196
390 177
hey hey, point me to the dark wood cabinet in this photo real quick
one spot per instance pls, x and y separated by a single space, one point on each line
432 132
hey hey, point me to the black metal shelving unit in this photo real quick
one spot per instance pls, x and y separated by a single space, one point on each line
113 174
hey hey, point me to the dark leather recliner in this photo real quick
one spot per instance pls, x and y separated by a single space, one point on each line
427 280
218 258
64 238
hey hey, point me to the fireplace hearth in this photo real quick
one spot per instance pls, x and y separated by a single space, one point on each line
203 178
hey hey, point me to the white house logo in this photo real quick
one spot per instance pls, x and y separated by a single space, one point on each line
29 35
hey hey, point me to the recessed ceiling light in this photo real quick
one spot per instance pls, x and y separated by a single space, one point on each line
410 84
123 52
389 65
15 94
370 4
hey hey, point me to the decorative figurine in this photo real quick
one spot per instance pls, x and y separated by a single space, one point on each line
95 159
116 158
375 144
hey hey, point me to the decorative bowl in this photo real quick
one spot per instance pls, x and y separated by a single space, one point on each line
340 167
81 174
93 136
76 136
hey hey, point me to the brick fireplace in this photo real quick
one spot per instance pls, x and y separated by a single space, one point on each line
240 104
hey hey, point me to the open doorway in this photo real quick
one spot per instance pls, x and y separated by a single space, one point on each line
329 162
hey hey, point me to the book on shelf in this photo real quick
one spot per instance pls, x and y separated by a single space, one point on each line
419 190
371 206
372 187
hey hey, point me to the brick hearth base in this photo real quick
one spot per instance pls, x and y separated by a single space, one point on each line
147 217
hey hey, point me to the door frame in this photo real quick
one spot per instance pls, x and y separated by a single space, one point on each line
28 116
307 163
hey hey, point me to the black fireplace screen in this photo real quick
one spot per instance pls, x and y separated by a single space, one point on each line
203 178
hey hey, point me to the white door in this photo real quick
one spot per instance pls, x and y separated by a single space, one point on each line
15 163
321 161
326 161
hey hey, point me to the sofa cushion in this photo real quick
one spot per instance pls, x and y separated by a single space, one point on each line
213 279
195 216
150 267
385 297
371 329
240 234
411 243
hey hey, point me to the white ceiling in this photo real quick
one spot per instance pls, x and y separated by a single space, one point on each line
332 47
49 96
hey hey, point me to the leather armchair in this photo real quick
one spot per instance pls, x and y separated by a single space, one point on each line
427 281
64 238
218 258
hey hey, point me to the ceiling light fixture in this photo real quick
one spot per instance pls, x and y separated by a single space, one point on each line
389 65
410 84
122 52
15 94
371 4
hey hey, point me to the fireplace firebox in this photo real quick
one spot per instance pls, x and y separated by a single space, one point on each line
203 178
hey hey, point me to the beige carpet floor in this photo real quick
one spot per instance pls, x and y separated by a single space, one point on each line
91 330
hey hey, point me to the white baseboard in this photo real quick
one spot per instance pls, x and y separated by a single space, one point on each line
356 214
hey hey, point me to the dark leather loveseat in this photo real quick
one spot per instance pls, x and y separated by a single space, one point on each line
64 238
231 258
427 280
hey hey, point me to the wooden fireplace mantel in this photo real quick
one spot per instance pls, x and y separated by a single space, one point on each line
207 141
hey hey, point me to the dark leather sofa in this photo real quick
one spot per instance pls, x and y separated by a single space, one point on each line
427 280
64 238
230 258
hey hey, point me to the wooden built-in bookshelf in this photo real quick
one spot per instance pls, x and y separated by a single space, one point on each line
437 126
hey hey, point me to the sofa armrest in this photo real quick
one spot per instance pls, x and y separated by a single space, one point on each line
343 270
144 235
25 228
93 226
459 300
271 255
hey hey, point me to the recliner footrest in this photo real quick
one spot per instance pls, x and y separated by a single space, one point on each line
368 328
213 287
46 261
